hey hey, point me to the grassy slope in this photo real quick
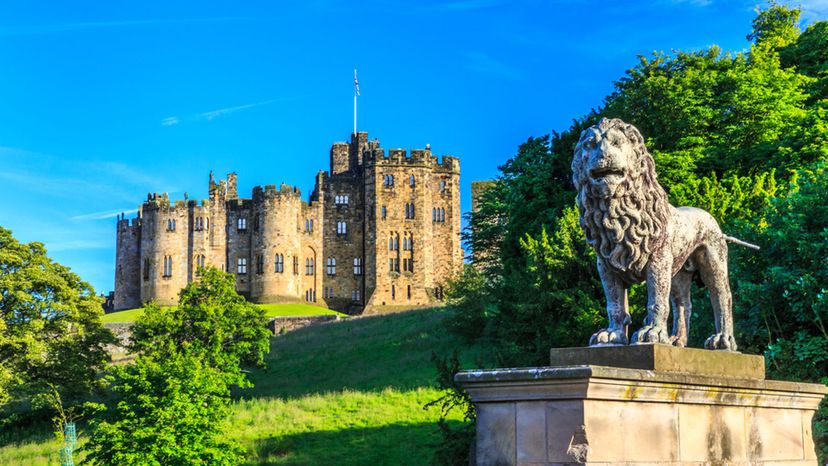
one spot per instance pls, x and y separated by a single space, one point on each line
349 393
271 310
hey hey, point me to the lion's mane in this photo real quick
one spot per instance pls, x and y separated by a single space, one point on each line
626 228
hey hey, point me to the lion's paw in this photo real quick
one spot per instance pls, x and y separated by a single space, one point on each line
721 341
677 341
651 334
607 336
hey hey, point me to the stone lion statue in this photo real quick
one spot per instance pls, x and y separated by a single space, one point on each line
638 236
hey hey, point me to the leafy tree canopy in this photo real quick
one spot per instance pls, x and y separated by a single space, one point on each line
50 325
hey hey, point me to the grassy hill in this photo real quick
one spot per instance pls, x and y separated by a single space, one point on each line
347 393
271 310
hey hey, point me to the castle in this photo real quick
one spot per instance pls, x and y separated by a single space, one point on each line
380 229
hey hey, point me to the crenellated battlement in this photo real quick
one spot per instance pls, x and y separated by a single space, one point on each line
413 157
269 191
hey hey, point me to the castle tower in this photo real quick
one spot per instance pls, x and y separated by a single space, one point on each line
127 264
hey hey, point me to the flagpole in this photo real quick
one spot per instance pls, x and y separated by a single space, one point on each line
356 93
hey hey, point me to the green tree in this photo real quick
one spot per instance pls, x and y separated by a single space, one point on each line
212 321
171 403
50 326
169 412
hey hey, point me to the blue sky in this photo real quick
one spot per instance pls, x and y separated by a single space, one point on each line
102 102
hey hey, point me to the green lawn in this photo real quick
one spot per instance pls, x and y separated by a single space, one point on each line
271 310
349 393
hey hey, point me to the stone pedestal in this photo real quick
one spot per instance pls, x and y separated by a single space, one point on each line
658 405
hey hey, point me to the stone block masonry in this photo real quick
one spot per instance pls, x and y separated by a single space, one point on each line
380 229
642 405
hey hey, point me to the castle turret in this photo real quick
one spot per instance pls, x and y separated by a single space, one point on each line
127 264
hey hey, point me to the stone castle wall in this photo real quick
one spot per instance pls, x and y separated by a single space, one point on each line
338 250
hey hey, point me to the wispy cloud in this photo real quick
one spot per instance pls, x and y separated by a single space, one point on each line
73 245
34 29
813 10
467 5
213 114
103 215
695 2
486 64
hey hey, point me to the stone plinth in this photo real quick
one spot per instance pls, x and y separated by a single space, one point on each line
599 415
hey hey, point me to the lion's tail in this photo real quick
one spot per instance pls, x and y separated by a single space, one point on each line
733 240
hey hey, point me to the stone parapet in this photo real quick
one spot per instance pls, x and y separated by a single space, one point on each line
599 415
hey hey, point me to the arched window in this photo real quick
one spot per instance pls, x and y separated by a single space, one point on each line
242 224
411 181
167 266
409 210
331 266
280 263
442 186
171 225
383 212
309 266
388 181
341 228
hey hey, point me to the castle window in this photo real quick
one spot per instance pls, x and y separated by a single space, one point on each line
411 181
256 222
242 224
308 225
341 200
207 223
393 292
331 266
242 265
309 266
442 186
146 269
295 265
393 265
167 266
197 224
408 265
357 266
394 242
341 228
355 296
438 293
388 181
409 210
280 263
199 260
383 212
171 225
438 214
260 264
409 292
